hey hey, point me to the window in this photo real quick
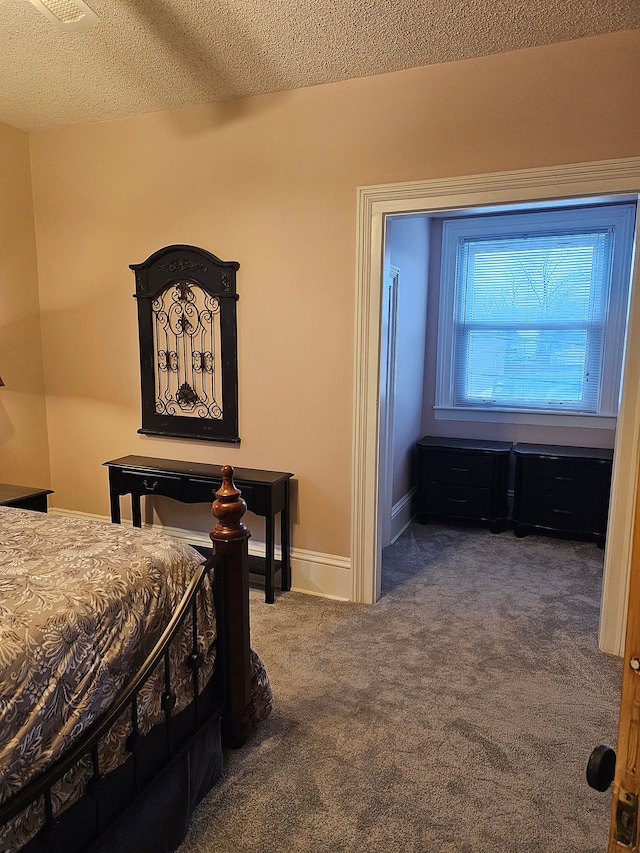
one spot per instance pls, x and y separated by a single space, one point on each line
533 310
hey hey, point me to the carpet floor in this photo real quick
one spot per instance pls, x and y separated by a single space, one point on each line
456 715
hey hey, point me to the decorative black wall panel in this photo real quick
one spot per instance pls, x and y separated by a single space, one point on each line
188 344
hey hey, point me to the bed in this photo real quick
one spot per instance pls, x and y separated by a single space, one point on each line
125 667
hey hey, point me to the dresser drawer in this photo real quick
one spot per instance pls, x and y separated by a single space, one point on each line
577 513
462 501
149 483
463 469
565 476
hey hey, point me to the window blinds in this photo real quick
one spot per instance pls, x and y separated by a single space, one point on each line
530 314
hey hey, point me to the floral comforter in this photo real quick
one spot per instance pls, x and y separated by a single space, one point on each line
81 604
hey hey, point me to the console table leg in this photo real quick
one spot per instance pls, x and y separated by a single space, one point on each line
136 515
115 507
285 545
269 561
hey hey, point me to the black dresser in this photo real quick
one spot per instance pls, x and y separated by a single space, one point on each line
562 490
463 478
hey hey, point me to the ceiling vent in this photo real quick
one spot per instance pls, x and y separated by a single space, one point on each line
67 14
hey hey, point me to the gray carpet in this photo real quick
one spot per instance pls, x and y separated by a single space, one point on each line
456 715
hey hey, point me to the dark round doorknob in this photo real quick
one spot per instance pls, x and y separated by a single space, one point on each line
601 767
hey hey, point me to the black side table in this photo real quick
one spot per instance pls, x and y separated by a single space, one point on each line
562 490
463 478
24 497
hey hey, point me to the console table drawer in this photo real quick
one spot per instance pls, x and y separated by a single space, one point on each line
460 469
201 491
149 483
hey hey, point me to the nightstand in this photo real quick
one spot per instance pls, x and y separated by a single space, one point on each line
463 478
562 490
24 497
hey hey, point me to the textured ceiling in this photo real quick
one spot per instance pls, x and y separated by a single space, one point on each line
147 55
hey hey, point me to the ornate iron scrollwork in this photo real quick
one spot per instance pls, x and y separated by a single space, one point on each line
187 322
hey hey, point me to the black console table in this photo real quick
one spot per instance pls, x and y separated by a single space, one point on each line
266 493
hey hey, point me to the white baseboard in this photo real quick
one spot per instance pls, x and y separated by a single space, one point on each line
321 574
402 515
313 573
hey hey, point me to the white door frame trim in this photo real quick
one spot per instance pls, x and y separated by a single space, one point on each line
374 203
388 386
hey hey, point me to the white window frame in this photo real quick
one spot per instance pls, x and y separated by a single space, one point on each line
620 219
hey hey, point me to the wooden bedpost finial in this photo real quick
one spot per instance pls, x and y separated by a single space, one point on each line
228 508
229 538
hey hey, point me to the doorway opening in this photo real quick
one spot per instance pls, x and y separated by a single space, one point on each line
371 464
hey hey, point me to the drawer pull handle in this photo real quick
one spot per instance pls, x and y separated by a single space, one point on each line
564 479
458 501
562 511
463 470
150 488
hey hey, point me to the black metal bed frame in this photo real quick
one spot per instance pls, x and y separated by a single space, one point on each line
228 569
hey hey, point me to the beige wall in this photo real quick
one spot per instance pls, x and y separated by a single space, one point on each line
270 182
24 450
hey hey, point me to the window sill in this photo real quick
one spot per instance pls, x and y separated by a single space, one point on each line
511 416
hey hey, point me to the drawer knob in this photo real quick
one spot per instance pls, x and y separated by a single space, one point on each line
152 487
